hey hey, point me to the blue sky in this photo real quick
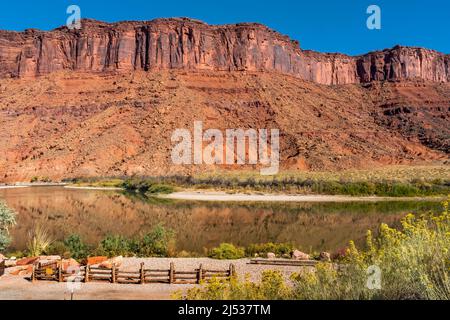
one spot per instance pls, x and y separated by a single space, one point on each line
328 26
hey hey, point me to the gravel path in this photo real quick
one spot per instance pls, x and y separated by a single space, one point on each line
19 287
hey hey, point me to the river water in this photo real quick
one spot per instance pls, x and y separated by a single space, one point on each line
199 225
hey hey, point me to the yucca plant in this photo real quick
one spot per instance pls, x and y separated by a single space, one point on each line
39 240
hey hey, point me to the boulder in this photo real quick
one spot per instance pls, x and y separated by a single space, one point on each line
298 255
271 255
48 259
324 256
66 263
20 270
26 261
108 264
2 257
95 260
10 263
339 254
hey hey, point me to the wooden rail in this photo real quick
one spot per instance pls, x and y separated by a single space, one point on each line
55 272
2 268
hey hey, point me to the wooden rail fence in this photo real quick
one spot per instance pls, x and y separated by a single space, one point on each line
2 267
55 272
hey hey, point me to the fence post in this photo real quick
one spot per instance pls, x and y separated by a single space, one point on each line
60 279
86 273
113 273
200 273
172 273
232 270
142 273
33 273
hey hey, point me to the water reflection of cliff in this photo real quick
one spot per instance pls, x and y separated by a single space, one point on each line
93 214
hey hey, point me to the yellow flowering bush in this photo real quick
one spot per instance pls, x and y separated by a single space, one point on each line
412 263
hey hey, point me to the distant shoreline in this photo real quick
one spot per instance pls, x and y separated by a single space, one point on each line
223 196
94 188
12 187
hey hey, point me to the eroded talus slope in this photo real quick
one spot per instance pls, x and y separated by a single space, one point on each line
73 124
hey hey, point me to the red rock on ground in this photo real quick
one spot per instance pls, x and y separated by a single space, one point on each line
298 255
21 270
67 263
95 260
108 264
26 261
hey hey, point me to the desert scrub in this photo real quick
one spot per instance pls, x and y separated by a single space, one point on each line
321 185
159 242
39 241
76 247
272 286
115 245
279 249
147 186
414 263
96 182
227 251
7 220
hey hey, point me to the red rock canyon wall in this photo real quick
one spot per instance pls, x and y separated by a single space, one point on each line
193 45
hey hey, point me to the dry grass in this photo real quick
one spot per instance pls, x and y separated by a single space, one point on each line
392 173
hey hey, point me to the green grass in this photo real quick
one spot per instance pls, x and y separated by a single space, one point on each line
397 181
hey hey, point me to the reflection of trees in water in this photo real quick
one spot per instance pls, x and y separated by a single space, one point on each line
93 214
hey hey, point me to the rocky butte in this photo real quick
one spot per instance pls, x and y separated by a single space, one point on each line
183 43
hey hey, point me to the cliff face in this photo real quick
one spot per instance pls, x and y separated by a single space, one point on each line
189 44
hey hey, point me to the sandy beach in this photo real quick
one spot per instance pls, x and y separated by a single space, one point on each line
12 187
95 188
223 196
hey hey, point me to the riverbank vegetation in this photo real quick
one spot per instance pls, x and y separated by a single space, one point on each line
7 220
159 242
230 251
398 182
412 262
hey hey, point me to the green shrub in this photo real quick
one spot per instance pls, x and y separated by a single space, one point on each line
160 189
112 246
18 254
159 242
272 286
7 220
227 251
147 186
58 248
279 249
76 247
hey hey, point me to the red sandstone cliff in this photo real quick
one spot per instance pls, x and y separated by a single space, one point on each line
190 44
